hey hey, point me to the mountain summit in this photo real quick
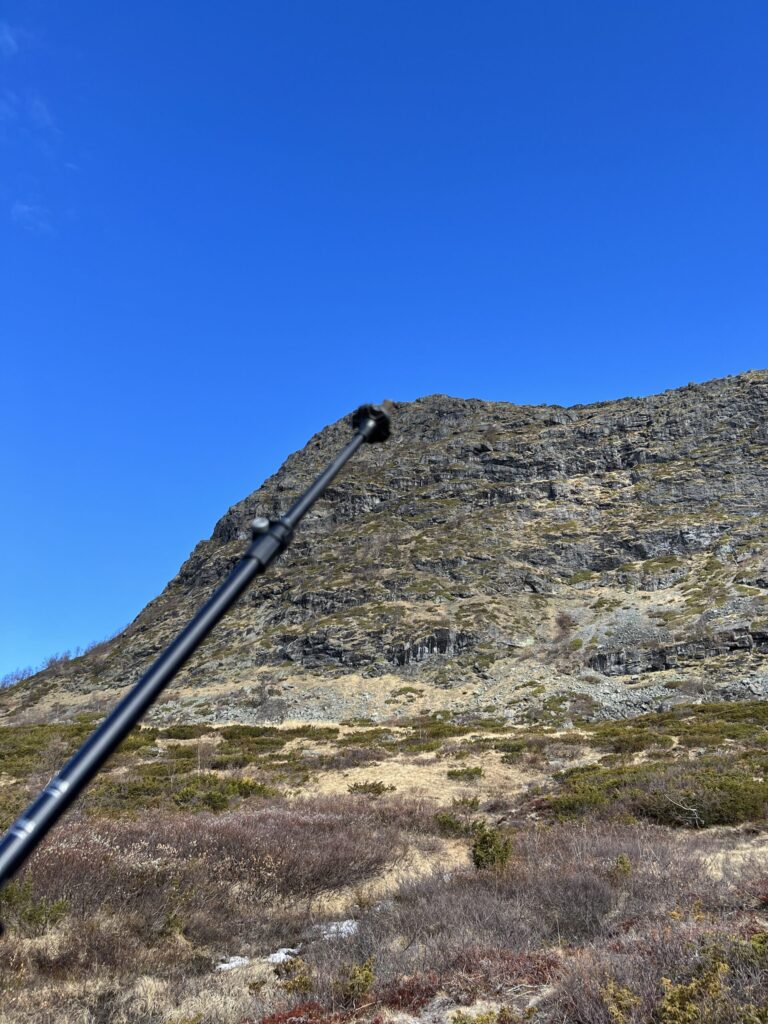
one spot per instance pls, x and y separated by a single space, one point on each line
595 560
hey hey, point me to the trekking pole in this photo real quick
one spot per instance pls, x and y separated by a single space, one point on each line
270 537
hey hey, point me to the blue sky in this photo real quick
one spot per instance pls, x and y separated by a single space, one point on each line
224 226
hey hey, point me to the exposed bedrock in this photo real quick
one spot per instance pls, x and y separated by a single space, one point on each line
631 661
510 545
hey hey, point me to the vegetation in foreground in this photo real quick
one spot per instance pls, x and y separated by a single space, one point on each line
589 888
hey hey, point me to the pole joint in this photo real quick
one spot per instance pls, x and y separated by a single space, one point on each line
373 422
270 537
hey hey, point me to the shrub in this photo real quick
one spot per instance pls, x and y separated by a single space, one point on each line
501 1016
13 800
476 971
212 792
710 791
565 885
302 1013
698 725
490 848
409 814
620 870
411 992
620 1001
448 824
355 983
185 731
695 1000
352 757
31 748
19 908
160 785
465 774
295 976
691 976
377 788
208 876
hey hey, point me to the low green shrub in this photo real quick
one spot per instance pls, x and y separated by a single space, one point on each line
19 908
184 732
698 725
706 792
491 849
354 984
214 793
157 785
373 788
465 774
448 824
504 1015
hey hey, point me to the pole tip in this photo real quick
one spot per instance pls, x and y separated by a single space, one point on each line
373 421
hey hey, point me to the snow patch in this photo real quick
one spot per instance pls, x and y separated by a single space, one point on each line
233 962
281 955
339 929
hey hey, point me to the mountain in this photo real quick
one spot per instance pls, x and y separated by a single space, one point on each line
594 561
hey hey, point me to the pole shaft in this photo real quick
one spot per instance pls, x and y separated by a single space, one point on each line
33 824
299 509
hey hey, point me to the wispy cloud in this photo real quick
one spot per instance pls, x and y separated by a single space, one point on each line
27 123
32 217
40 114
9 40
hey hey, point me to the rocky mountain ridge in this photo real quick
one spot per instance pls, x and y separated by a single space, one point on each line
527 561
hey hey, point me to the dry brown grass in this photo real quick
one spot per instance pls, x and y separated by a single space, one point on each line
121 921
152 904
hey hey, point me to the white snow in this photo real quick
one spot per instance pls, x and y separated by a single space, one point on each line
339 929
233 962
281 955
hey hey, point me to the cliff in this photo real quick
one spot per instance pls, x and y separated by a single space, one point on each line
600 559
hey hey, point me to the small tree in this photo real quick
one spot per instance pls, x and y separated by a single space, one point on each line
490 848
354 985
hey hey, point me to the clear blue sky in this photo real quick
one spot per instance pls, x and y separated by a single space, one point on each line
223 226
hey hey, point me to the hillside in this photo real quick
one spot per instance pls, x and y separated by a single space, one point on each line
599 560
489 746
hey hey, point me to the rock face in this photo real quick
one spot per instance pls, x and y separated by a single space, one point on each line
488 556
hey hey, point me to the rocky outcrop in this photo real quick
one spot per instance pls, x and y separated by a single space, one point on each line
442 641
631 661
485 547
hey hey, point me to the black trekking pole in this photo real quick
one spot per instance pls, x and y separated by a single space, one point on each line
270 538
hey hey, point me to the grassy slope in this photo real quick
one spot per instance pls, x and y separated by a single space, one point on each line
199 843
